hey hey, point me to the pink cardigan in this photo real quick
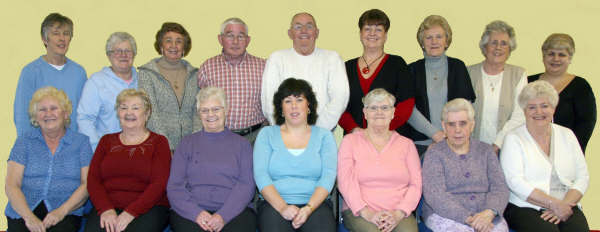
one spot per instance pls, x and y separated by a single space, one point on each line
390 180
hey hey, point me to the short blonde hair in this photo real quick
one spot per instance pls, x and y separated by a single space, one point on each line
129 93
378 95
536 89
498 26
209 92
457 105
559 41
432 21
50 92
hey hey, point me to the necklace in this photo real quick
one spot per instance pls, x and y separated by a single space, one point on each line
493 86
366 70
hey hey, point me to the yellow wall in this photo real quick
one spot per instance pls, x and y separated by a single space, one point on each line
269 20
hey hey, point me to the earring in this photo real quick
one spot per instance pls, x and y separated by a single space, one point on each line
308 111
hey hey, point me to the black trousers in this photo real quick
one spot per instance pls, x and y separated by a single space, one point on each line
244 222
321 220
154 220
523 219
70 223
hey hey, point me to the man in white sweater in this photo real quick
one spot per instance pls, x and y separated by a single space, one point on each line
323 69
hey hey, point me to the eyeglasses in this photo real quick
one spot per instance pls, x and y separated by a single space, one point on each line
240 37
215 110
298 26
383 108
126 52
497 43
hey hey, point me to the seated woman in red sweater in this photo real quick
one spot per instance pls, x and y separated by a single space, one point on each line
129 172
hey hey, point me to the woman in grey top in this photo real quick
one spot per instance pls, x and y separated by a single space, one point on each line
171 85
463 185
438 79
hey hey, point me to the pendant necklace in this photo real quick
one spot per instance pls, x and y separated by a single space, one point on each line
366 70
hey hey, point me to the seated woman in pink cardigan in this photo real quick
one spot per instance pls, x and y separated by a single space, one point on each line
379 172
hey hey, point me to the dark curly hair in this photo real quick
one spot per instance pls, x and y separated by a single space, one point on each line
174 27
295 87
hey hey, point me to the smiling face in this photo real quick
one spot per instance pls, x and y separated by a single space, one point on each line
458 128
121 57
58 39
304 32
212 114
538 112
434 41
172 46
132 113
50 116
379 114
234 40
497 49
556 61
295 110
373 36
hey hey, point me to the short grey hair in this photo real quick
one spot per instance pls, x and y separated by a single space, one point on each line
378 95
118 37
233 21
498 26
209 92
536 89
457 105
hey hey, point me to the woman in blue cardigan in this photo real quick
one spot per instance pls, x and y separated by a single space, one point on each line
295 164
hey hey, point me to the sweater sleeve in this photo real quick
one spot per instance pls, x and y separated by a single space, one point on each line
243 191
25 88
517 116
95 186
497 196
348 183
347 122
270 83
145 83
582 177
262 155
413 164
328 154
585 114
441 201
87 112
403 112
421 124
161 163
180 198
338 91
511 160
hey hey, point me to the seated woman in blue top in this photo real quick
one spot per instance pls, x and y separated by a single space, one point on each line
295 164
211 185
47 169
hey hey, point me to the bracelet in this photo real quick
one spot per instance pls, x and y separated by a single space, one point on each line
309 207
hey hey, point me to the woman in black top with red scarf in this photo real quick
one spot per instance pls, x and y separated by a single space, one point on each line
376 69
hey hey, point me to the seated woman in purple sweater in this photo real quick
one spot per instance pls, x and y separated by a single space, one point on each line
211 183
463 184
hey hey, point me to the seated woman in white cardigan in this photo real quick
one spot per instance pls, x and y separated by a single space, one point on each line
544 167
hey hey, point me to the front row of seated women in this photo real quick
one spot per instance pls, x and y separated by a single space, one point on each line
210 184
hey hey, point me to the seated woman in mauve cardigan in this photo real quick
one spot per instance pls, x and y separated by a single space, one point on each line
463 184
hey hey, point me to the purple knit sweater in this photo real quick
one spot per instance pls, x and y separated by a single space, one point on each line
458 186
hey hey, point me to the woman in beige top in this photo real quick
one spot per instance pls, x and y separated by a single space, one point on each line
171 85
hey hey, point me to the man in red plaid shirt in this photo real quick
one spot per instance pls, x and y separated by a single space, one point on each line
240 75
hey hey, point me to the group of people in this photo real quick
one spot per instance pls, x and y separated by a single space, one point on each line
170 144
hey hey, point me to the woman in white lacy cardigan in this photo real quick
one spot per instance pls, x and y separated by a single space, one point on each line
544 168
